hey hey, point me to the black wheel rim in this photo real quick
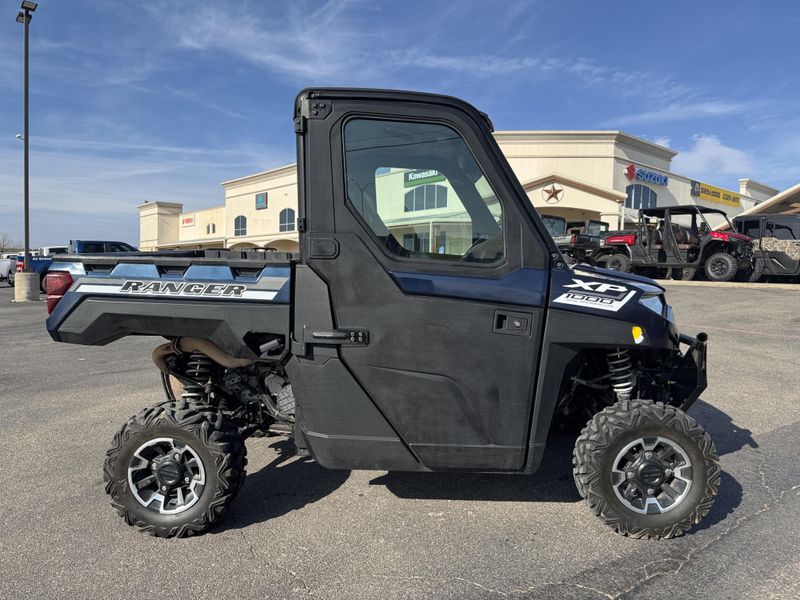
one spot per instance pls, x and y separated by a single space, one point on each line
651 475
718 267
166 476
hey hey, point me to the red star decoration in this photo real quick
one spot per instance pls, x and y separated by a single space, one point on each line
553 193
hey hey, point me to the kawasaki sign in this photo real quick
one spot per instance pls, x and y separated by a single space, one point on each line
414 178
633 172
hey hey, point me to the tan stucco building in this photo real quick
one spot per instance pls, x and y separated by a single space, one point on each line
579 175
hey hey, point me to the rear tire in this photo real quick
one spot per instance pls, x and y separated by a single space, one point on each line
721 267
618 262
204 478
671 505
11 279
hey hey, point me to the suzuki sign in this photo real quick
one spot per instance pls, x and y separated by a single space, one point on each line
633 172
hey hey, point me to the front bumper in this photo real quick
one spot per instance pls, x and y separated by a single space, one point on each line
688 378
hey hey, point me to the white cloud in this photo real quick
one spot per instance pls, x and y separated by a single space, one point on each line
307 44
708 156
683 111
662 140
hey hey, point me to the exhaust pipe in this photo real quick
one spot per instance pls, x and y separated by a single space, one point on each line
187 345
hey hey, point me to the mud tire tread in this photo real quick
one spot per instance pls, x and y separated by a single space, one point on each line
598 437
213 432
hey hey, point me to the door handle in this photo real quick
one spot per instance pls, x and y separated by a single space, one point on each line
512 323
337 337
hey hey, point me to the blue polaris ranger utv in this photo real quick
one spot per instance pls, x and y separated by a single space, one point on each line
428 323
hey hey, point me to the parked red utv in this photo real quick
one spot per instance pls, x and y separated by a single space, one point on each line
679 238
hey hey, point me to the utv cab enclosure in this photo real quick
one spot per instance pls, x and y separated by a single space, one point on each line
776 243
680 238
429 323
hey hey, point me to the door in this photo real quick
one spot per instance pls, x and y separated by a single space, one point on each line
431 251
780 244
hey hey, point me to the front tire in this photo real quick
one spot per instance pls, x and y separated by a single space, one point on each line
753 274
684 274
646 469
174 468
11 279
721 267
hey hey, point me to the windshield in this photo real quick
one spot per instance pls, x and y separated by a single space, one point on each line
554 225
596 228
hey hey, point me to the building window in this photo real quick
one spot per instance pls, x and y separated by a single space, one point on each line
287 220
640 196
211 228
240 225
425 197
261 201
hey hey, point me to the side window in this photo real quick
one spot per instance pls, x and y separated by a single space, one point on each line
781 231
421 192
286 220
240 225
751 228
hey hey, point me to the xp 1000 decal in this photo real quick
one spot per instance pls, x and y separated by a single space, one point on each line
595 294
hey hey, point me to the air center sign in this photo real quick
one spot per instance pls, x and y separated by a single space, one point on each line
633 172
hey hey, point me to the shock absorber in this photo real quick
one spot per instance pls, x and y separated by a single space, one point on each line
620 371
198 370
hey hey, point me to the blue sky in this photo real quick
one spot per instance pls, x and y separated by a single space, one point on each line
135 101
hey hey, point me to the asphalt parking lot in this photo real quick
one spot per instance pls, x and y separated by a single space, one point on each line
297 530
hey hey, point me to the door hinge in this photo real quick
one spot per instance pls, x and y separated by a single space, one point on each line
314 108
299 124
301 224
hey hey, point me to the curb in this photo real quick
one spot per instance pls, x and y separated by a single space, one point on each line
731 284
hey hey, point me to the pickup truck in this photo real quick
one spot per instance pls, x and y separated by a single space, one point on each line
577 240
8 265
377 352
40 261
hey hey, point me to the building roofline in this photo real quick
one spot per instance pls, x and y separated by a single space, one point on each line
758 186
608 193
576 135
266 175
160 203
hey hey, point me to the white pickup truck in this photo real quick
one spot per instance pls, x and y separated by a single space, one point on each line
8 266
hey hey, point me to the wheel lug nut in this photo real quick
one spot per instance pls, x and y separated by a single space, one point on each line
668 471
650 492
648 455
629 474
186 479
177 456
163 488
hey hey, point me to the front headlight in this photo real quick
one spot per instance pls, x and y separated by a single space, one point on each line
654 302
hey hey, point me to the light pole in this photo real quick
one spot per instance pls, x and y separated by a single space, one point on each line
24 16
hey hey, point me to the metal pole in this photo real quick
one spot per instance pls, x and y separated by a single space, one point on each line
27 261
